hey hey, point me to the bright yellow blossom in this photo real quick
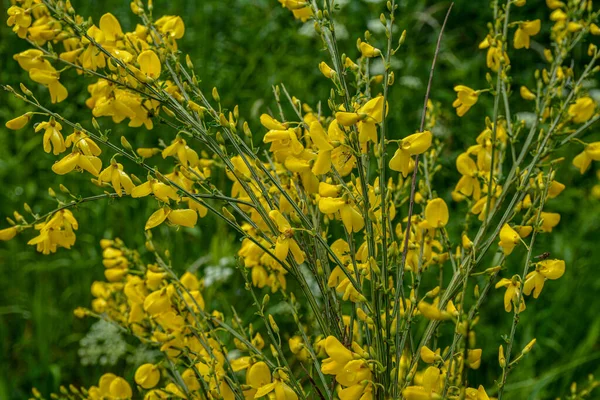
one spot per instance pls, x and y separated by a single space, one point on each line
582 110
8 233
91 164
369 51
147 376
158 189
524 32
19 122
149 64
186 218
53 139
411 145
117 177
326 70
590 153
526 93
546 269
436 213
511 296
466 98
509 238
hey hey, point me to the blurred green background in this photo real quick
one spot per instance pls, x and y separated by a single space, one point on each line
243 47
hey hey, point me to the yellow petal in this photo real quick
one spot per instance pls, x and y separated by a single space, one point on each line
417 143
110 27
8 233
147 376
436 213
67 164
318 136
282 224
149 63
369 51
19 122
552 269
258 375
186 218
157 218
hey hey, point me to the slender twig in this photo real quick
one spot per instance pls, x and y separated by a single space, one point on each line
411 203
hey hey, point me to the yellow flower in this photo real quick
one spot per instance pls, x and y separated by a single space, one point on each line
271 123
555 189
509 238
546 269
277 390
186 155
474 358
468 183
57 231
436 213
53 139
574 26
49 78
594 29
120 389
158 189
32 58
371 115
303 14
149 64
526 93
431 382
346 365
352 219
8 233
172 26
91 164
147 152
117 177
285 242
558 16
511 296
326 70
320 139
109 25
428 355
554 4
369 51
82 141
466 98
431 311
476 394
19 122
345 118
187 218
147 376
524 32
582 110
257 376
495 56
584 159
157 302
293 4
549 221
411 145
19 19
